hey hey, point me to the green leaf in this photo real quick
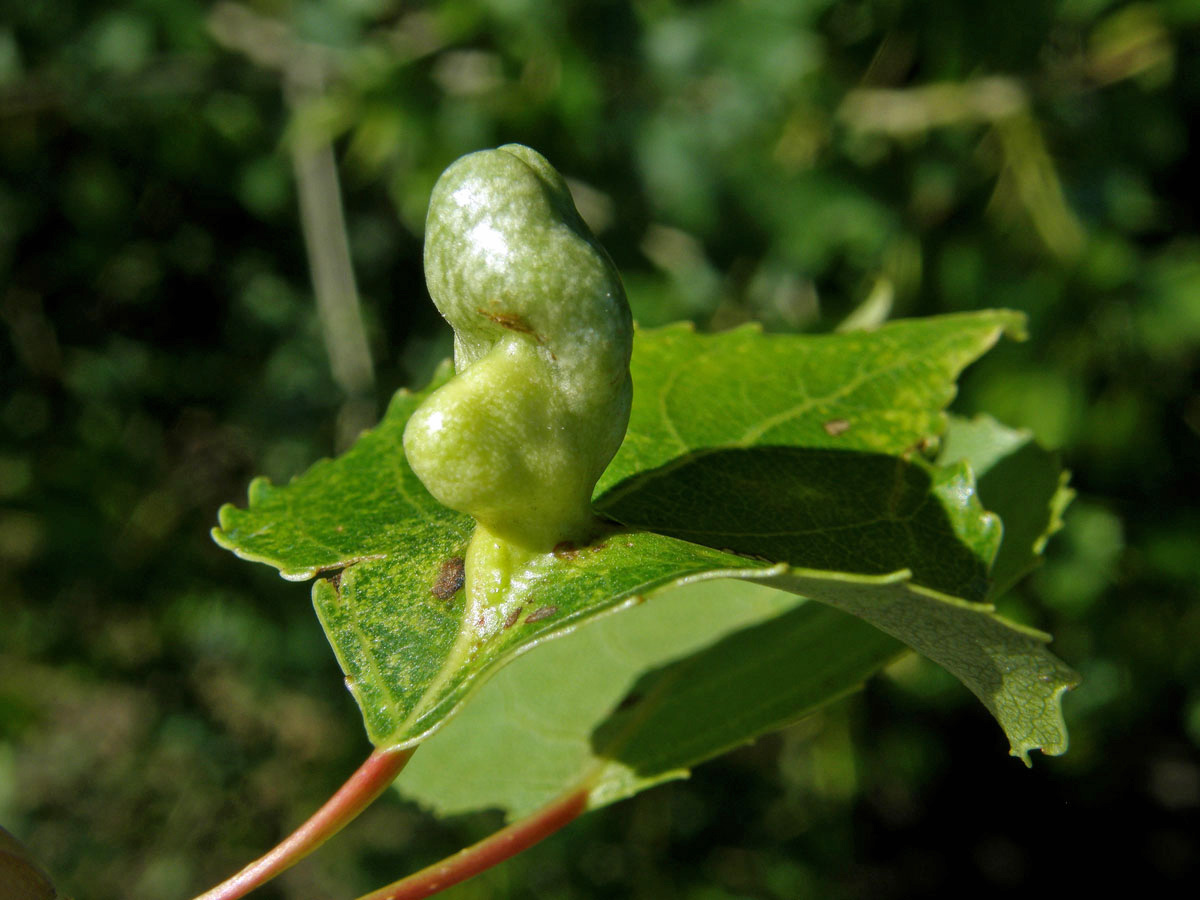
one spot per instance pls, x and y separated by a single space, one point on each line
752 682
1018 480
365 505
1007 666
410 660
876 392
398 633
826 497
636 699
843 511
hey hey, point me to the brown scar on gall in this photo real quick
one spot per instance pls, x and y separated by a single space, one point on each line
450 579
542 612
512 617
513 323
509 321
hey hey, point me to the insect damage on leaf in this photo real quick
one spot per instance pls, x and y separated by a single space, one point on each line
566 550
450 579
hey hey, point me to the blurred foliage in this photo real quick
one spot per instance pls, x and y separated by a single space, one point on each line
166 713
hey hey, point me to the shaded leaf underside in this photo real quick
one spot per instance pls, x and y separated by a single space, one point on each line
637 699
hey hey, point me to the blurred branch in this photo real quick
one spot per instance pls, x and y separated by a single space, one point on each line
1029 174
270 43
267 42
324 227
1027 171
900 112
1132 42
305 70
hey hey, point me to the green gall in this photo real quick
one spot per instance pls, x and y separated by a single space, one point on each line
542 337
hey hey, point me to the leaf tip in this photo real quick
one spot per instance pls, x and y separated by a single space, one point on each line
218 532
1014 324
1022 753
1063 497
259 491
1051 738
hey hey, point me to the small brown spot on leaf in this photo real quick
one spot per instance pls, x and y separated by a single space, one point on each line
340 529
512 617
450 579
565 550
336 580
542 612
834 427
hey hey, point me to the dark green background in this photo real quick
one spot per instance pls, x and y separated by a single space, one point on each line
167 712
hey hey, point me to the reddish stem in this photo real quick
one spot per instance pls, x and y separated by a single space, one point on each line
487 853
367 783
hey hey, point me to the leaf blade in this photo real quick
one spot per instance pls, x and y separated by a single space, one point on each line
412 661
881 391
548 721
